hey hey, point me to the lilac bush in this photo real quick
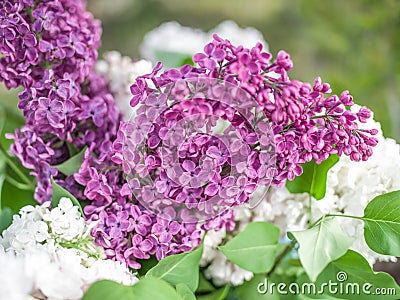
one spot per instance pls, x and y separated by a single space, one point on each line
155 183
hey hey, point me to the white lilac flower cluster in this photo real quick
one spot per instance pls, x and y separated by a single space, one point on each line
350 187
120 72
52 255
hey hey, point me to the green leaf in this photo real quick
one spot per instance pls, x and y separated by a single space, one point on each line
13 193
313 179
204 285
14 169
146 265
72 149
253 249
171 59
14 120
108 290
5 219
382 224
148 288
2 179
154 288
15 198
320 245
187 61
184 291
72 165
10 196
350 274
59 192
179 268
215 295
2 175
2 118
254 289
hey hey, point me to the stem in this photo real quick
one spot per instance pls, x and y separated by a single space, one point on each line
316 222
224 292
14 167
310 208
19 185
334 215
29 11
281 256
288 126
319 117
68 245
345 216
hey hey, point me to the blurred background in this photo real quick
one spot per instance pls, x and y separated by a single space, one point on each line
353 45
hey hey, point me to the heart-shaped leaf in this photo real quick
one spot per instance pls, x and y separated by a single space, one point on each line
254 249
2 179
219 294
179 268
320 245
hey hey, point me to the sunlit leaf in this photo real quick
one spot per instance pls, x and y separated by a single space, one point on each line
320 245
254 249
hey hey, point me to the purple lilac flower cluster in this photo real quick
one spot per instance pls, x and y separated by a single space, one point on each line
174 155
123 226
305 121
49 49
